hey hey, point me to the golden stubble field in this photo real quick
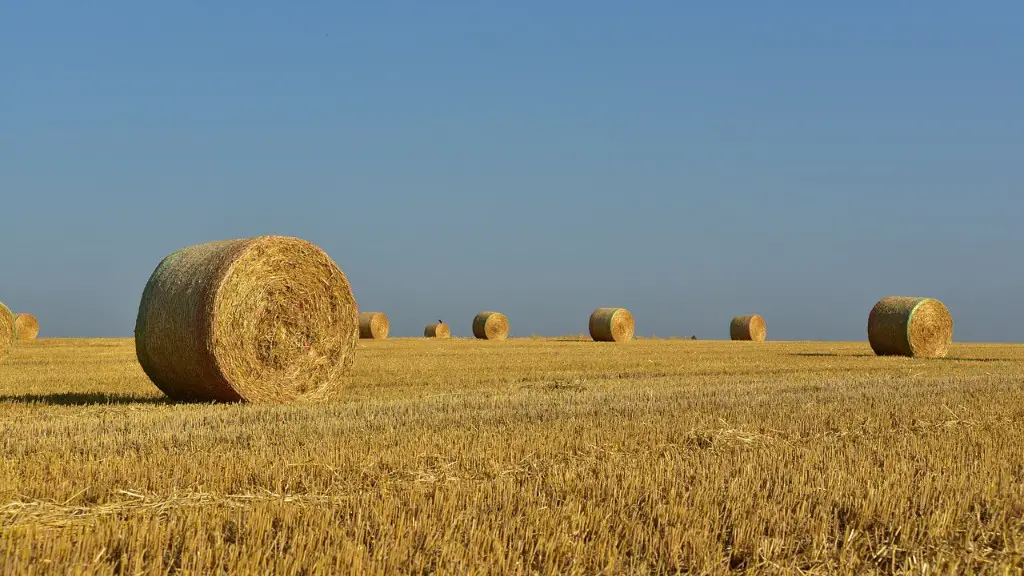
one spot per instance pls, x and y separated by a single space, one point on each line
524 456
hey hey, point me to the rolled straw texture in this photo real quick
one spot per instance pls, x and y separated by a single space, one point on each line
490 326
265 319
374 325
437 330
611 325
749 327
26 326
8 330
910 326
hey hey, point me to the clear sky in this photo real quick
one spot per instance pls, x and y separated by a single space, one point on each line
689 161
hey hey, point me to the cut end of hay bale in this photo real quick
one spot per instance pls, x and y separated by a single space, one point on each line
910 326
374 325
265 319
490 326
26 326
749 327
437 330
8 329
611 325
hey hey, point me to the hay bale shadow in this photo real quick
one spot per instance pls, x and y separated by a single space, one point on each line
82 399
965 359
870 355
831 354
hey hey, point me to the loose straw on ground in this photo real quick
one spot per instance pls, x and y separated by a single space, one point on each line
490 326
910 326
374 325
266 319
749 327
611 325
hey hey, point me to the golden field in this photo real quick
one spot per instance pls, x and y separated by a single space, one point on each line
532 456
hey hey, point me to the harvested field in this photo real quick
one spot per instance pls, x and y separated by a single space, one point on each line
524 456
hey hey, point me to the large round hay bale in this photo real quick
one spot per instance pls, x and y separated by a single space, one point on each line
437 330
749 327
909 326
26 326
374 325
265 319
490 326
8 329
611 325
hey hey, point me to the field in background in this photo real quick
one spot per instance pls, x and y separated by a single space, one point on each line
525 456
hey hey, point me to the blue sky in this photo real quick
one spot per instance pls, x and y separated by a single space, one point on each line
689 161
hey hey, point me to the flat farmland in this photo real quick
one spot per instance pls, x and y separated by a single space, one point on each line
528 456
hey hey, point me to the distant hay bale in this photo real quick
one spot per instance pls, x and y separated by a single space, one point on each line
8 329
26 326
265 319
490 326
611 325
437 330
909 326
374 325
749 327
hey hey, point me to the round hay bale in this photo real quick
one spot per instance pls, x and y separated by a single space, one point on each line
26 326
490 326
374 325
437 330
910 326
749 327
265 319
8 328
611 325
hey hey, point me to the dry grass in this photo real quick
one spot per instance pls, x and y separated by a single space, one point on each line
26 326
267 319
524 456
907 326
